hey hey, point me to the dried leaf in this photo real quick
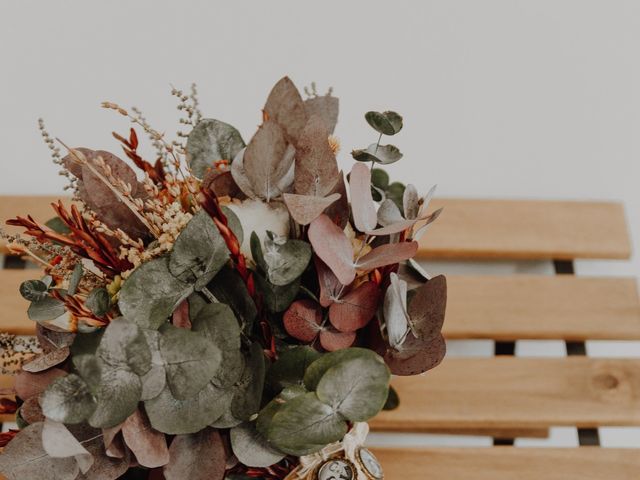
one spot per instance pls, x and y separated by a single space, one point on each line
285 106
388 254
339 211
364 212
327 107
47 360
58 442
239 174
148 445
316 168
410 202
267 161
30 410
305 208
302 320
333 247
199 456
355 309
416 356
427 307
31 384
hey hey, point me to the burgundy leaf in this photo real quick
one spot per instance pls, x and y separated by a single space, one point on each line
330 286
427 307
180 316
197 456
30 384
332 340
354 310
364 210
148 445
285 106
333 247
416 356
305 208
302 320
316 168
387 254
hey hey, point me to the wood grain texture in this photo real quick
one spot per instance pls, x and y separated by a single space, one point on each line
523 229
7 381
509 463
14 308
509 392
562 307
39 207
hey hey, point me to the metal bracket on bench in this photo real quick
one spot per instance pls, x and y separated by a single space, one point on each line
586 436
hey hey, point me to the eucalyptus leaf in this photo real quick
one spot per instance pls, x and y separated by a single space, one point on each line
68 400
251 448
277 299
217 323
154 381
89 367
379 178
229 288
151 293
356 388
190 359
199 456
266 414
98 301
57 225
285 260
209 141
318 368
25 458
387 123
74 281
285 106
123 345
393 400
117 396
199 252
326 107
33 290
304 425
290 367
45 309
248 390
382 154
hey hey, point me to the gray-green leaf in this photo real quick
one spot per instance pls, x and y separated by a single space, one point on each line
285 260
68 400
251 448
382 154
98 301
387 123
33 290
209 141
47 308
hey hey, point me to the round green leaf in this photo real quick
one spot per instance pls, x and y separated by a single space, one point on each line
357 388
382 154
151 293
68 400
33 290
248 390
285 260
251 448
199 252
74 281
209 141
379 178
277 299
387 123
123 345
317 369
98 301
229 288
117 396
45 309
289 369
191 360
154 381
305 425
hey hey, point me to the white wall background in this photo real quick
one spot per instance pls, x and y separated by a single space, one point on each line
527 99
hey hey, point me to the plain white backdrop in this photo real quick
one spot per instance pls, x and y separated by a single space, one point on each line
523 99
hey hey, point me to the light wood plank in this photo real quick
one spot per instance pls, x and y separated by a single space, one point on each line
509 392
523 229
508 463
13 318
560 307
39 207
7 381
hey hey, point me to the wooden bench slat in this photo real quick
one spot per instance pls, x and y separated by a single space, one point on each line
509 392
561 307
507 463
525 229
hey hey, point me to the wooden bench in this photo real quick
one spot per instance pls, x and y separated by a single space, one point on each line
503 396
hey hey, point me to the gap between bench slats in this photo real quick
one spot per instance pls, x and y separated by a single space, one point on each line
525 229
509 392
508 463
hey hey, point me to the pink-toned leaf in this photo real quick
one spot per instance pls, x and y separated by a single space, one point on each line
113 442
429 220
265 162
339 211
316 167
305 208
333 247
31 411
387 254
302 320
332 340
330 286
30 384
197 456
410 202
354 310
285 106
396 317
47 360
428 306
180 316
397 227
58 442
148 445
416 356
364 210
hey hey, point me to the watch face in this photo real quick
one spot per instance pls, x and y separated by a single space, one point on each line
370 464
336 469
